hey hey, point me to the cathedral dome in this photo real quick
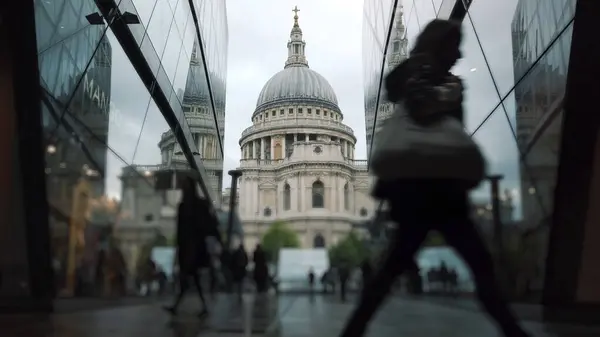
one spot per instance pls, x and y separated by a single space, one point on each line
296 83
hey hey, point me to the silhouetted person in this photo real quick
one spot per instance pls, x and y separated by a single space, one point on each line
366 270
344 275
421 204
240 263
311 280
261 269
444 273
325 281
195 223
414 284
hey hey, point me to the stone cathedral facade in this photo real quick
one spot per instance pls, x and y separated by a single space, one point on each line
298 158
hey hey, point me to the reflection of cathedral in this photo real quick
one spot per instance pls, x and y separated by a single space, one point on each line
150 193
199 115
298 158
539 108
396 53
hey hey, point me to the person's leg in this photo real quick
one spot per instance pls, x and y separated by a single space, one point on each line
183 288
214 278
463 236
399 257
196 278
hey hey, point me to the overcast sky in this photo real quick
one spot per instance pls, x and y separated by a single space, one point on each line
258 33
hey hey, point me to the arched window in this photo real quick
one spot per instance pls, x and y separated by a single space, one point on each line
319 241
287 197
346 197
318 194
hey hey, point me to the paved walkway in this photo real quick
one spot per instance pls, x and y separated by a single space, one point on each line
407 317
299 316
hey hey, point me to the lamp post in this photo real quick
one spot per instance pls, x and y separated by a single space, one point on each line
235 175
496 218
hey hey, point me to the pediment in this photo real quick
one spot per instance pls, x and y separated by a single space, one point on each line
267 184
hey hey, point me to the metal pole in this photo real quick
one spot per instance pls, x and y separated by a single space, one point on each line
496 218
235 174
227 253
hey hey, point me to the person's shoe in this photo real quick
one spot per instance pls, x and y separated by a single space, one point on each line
170 310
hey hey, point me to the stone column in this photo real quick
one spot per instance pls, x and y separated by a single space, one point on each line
262 146
334 193
256 198
298 194
302 188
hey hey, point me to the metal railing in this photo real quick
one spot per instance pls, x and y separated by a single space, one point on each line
358 163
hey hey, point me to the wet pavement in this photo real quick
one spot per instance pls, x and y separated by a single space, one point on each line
297 316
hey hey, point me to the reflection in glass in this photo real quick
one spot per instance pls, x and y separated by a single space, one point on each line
113 163
520 136
376 105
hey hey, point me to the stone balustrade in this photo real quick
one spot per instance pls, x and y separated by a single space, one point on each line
297 122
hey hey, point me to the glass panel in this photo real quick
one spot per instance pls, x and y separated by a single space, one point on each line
127 113
376 20
109 151
496 41
144 9
539 102
500 149
480 95
159 26
436 5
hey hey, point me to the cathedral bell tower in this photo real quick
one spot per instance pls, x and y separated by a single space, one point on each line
398 49
296 46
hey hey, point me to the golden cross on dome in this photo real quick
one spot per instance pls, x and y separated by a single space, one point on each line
295 10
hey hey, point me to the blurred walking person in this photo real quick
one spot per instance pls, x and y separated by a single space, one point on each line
238 268
426 164
366 271
195 223
261 269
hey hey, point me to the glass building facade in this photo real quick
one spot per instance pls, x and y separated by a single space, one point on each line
133 99
515 65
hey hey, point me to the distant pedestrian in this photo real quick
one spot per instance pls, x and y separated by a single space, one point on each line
311 280
261 269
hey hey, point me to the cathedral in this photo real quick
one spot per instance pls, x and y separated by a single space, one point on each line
298 159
